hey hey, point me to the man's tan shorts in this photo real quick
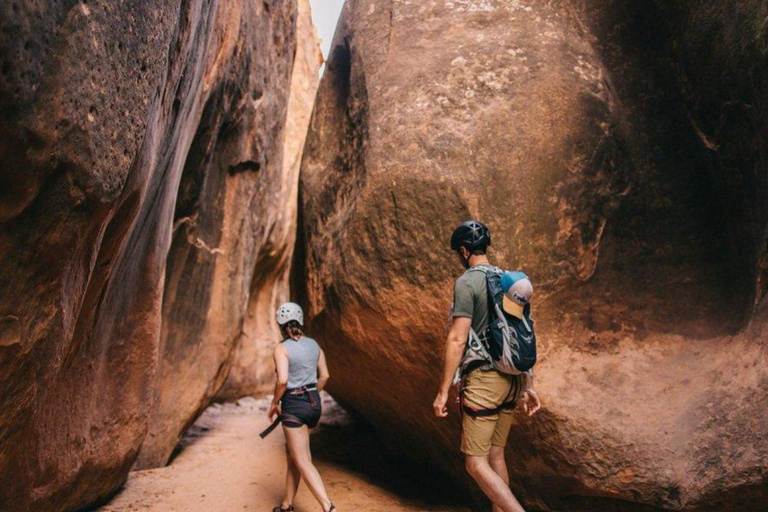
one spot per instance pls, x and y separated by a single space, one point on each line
486 390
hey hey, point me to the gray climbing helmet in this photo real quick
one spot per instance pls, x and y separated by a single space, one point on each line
288 312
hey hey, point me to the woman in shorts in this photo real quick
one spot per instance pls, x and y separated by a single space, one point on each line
301 375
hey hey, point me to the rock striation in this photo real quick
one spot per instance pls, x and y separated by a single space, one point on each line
252 370
235 226
141 192
617 154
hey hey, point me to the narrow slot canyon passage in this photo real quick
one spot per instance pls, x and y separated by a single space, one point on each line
174 172
223 465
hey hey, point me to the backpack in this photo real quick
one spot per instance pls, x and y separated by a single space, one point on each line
509 343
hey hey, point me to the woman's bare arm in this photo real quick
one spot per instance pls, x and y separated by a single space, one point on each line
281 370
322 372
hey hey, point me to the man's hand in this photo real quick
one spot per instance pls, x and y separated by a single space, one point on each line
441 411
531 402
274 410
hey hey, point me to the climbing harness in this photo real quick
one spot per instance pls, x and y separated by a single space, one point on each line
290 418
465 408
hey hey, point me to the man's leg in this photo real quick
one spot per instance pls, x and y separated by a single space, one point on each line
492 484
477 435
498 443
484 438
499 466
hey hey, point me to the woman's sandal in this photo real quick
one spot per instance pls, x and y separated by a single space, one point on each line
280 509
333 507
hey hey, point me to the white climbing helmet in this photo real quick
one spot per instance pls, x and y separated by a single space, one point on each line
289 311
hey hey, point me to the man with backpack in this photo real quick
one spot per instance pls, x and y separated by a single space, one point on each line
490 350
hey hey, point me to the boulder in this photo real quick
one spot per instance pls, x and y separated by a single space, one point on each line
617 154
141 155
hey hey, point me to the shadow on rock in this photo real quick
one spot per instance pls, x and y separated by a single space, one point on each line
348 441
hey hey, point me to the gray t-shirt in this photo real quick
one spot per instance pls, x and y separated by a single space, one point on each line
470 298
303 355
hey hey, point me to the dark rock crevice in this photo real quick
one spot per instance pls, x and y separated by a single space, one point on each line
721 63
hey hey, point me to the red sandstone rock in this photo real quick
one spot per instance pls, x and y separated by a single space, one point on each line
234 227
252 371
602 145
131 134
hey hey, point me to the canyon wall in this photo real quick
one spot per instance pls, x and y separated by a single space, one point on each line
142 188
252 370
234 232
617 154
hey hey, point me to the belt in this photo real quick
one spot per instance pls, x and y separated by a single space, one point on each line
301 389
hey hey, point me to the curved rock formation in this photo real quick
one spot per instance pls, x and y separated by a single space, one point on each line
252 369
618 155
131 135
235 227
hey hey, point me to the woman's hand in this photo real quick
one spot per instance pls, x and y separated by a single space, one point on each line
274 410
531 402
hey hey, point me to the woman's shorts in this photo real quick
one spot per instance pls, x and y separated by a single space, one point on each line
303 408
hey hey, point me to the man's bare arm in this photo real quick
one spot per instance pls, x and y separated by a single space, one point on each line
528 379
531 402
454 350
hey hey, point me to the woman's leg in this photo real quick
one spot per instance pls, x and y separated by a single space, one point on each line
297 440
292 480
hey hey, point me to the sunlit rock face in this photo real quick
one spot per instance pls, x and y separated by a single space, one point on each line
141 154
618 155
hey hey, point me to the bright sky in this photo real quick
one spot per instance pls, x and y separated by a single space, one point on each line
325 14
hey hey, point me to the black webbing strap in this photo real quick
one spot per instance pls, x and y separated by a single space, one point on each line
280 419
481 413
270 428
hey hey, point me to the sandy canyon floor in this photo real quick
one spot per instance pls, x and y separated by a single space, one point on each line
223 466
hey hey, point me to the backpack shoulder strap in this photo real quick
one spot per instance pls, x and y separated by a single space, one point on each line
484 269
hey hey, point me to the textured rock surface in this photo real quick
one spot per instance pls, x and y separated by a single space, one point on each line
234 230
131 134
252 369
618 155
